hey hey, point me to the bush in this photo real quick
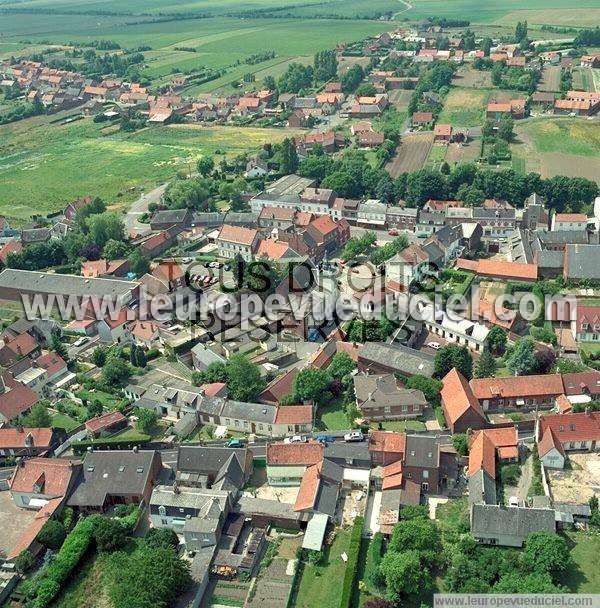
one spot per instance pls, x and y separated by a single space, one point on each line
24 561
510 474
52 535
108 534
162 537
351 572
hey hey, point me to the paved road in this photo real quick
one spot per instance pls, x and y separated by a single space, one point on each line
140 207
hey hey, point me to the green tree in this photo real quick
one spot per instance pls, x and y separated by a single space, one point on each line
343 183
38 417
147 420
189 194
115 370
414 512
460 443
205 165
138 264
59 348
289 157
161 537
341 365
105 227
522 361
366 90
244 381
453 355
215 372
311 383
505 129
404 575
546 553
114 250
95 408
108 534
99 356
417 534
154 577
496 340
485 366
516 582
429 386
52 535
24 561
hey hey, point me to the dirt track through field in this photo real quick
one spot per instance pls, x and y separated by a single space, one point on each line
411 153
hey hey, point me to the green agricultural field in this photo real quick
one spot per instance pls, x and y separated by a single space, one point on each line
535 12
43 165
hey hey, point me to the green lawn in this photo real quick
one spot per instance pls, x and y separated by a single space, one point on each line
320 586
107 400
464 107
331 417
62 421
584 577
44 165
400 425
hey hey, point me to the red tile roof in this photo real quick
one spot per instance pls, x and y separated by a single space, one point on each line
22 345
279 388
548 441
309 488
10 247
513 387
274 250
563 405
15 438
457 397
570 217
482 455
442 130
579 383
294 414
294 453
277 213
53 475
101 423
17 399
581 426
213 389
387 441
237 234
324 224
52 363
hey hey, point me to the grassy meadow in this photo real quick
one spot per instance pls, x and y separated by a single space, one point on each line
43 165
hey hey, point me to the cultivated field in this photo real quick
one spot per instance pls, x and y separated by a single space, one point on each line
411 153
400 99
559 146
463 153
467 77
44 165
550 80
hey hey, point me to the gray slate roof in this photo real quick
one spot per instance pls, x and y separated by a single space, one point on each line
482 489
66 284
399 358
489 521
581 261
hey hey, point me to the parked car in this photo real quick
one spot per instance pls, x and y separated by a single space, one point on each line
227 267
354 436
81 341
324 438
513 501
393 232
296 439
186 260
434 345
235 443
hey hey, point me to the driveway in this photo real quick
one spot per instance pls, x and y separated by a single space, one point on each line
139 207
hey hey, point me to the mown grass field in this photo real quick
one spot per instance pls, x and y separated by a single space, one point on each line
44 165
464 107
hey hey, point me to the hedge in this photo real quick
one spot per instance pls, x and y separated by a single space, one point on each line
374 556
351 574
66 560
115 443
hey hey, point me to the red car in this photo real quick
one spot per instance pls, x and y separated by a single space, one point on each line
393 233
